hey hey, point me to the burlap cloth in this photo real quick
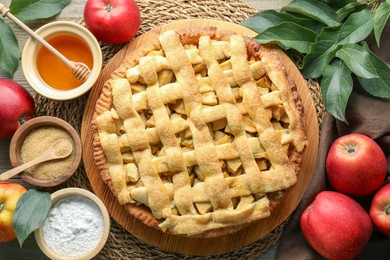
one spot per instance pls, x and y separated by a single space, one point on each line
121 244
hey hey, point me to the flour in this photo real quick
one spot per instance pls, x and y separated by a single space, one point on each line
74 226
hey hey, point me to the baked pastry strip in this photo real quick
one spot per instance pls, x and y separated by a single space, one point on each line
175 159
267 134
277 73
232 113
205 151
207 158
110 144
158 199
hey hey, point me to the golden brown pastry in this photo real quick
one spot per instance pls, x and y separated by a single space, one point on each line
202 131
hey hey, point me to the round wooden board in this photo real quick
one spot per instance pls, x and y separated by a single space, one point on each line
188 245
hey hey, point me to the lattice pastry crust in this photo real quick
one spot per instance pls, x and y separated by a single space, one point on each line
201 128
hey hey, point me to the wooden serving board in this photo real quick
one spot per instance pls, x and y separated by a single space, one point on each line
188 245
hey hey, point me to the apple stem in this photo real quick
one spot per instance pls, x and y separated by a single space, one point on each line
1 207
387 209
350 148
23 119
108 8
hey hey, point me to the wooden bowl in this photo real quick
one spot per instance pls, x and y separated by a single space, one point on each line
19 137
56 197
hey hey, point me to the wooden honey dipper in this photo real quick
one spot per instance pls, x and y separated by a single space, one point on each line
79 70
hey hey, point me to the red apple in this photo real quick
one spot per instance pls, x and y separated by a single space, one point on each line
16 107
9 196
356 165
380 209
336 226
112 21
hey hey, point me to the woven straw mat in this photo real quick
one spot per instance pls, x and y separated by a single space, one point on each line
121 244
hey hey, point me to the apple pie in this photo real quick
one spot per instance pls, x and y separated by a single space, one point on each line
201 131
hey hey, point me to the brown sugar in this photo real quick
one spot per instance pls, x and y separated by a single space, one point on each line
36 143
63 148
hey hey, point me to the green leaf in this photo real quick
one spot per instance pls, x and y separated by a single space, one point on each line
355 29
357 60
380 18
27 10
30 213
336 87
350 8
314 9
321 53
289 35
261 21
9 50
372 73
338 4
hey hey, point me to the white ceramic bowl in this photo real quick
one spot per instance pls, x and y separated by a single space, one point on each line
29 56
58 196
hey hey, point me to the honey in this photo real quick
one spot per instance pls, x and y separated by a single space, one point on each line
54 71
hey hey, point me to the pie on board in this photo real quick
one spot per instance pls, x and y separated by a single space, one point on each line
199 133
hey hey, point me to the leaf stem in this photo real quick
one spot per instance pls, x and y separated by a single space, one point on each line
374 4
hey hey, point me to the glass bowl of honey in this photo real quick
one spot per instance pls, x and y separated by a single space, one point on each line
50 76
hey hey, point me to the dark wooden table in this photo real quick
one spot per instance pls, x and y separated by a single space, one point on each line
73 12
